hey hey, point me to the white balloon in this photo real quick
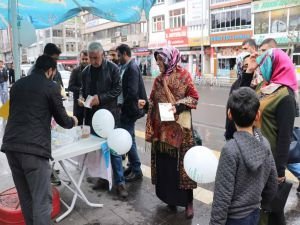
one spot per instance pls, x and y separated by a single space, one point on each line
120 141
103 122
200 164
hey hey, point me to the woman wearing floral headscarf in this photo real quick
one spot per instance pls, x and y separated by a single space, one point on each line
170 140
278 110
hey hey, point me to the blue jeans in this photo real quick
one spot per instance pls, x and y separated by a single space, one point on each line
133 157
3 92
117 167
294 168
251 219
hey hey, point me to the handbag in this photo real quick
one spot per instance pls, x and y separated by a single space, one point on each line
279 201
294 152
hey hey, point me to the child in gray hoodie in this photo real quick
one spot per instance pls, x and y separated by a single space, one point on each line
246 177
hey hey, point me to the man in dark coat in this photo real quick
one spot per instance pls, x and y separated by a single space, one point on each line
75 84
133 95
34 100
101 80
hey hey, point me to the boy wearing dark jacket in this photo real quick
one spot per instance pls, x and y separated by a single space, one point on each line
246 177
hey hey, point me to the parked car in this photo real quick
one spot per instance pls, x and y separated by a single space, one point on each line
25 68
65 75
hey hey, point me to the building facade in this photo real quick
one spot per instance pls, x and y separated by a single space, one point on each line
65 35
5 46
230 25
185 25
111 34
279 19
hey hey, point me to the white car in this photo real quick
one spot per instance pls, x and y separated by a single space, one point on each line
25 68
65 75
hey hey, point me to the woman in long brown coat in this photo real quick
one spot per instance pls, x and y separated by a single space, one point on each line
171 140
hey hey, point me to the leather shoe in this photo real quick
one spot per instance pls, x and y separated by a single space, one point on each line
127 171
121 191
55 181
133 177
189 211
172 208
101 184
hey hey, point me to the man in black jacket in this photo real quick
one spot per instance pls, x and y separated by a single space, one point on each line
75 84
132 100
101 80
34 100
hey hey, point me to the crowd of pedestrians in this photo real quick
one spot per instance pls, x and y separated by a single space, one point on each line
260 115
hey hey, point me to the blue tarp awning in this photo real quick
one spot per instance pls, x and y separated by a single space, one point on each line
47 13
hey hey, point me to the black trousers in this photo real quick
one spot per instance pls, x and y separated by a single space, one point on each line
31 175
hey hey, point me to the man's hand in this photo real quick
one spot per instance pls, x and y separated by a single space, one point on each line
252 64
141 103
75 121
280 180
81 101
95 101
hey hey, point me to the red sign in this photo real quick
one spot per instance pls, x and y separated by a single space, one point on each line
177 36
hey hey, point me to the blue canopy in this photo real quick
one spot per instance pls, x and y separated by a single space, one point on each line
46 13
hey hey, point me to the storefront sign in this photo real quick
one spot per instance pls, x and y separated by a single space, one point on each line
177 36
230 37
198 41
155 45
259 6
281 38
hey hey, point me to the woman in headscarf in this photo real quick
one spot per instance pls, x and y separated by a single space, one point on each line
171 140
243 79
278 110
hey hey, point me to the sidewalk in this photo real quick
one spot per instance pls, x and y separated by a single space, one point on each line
142 207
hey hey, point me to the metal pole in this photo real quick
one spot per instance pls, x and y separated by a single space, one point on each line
202 40
15 38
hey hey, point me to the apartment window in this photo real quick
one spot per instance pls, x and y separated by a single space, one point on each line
219 1
177 18
47 33
158 23
70 32
294 19
57 33
70 46
159 2
261 23
232 18
279 21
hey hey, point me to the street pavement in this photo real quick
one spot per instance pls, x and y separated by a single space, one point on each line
142 206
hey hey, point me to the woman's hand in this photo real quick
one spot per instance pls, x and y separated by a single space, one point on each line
173 109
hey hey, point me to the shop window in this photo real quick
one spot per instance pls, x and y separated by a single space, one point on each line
261 23
177 18
158 23
294 19
279 21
